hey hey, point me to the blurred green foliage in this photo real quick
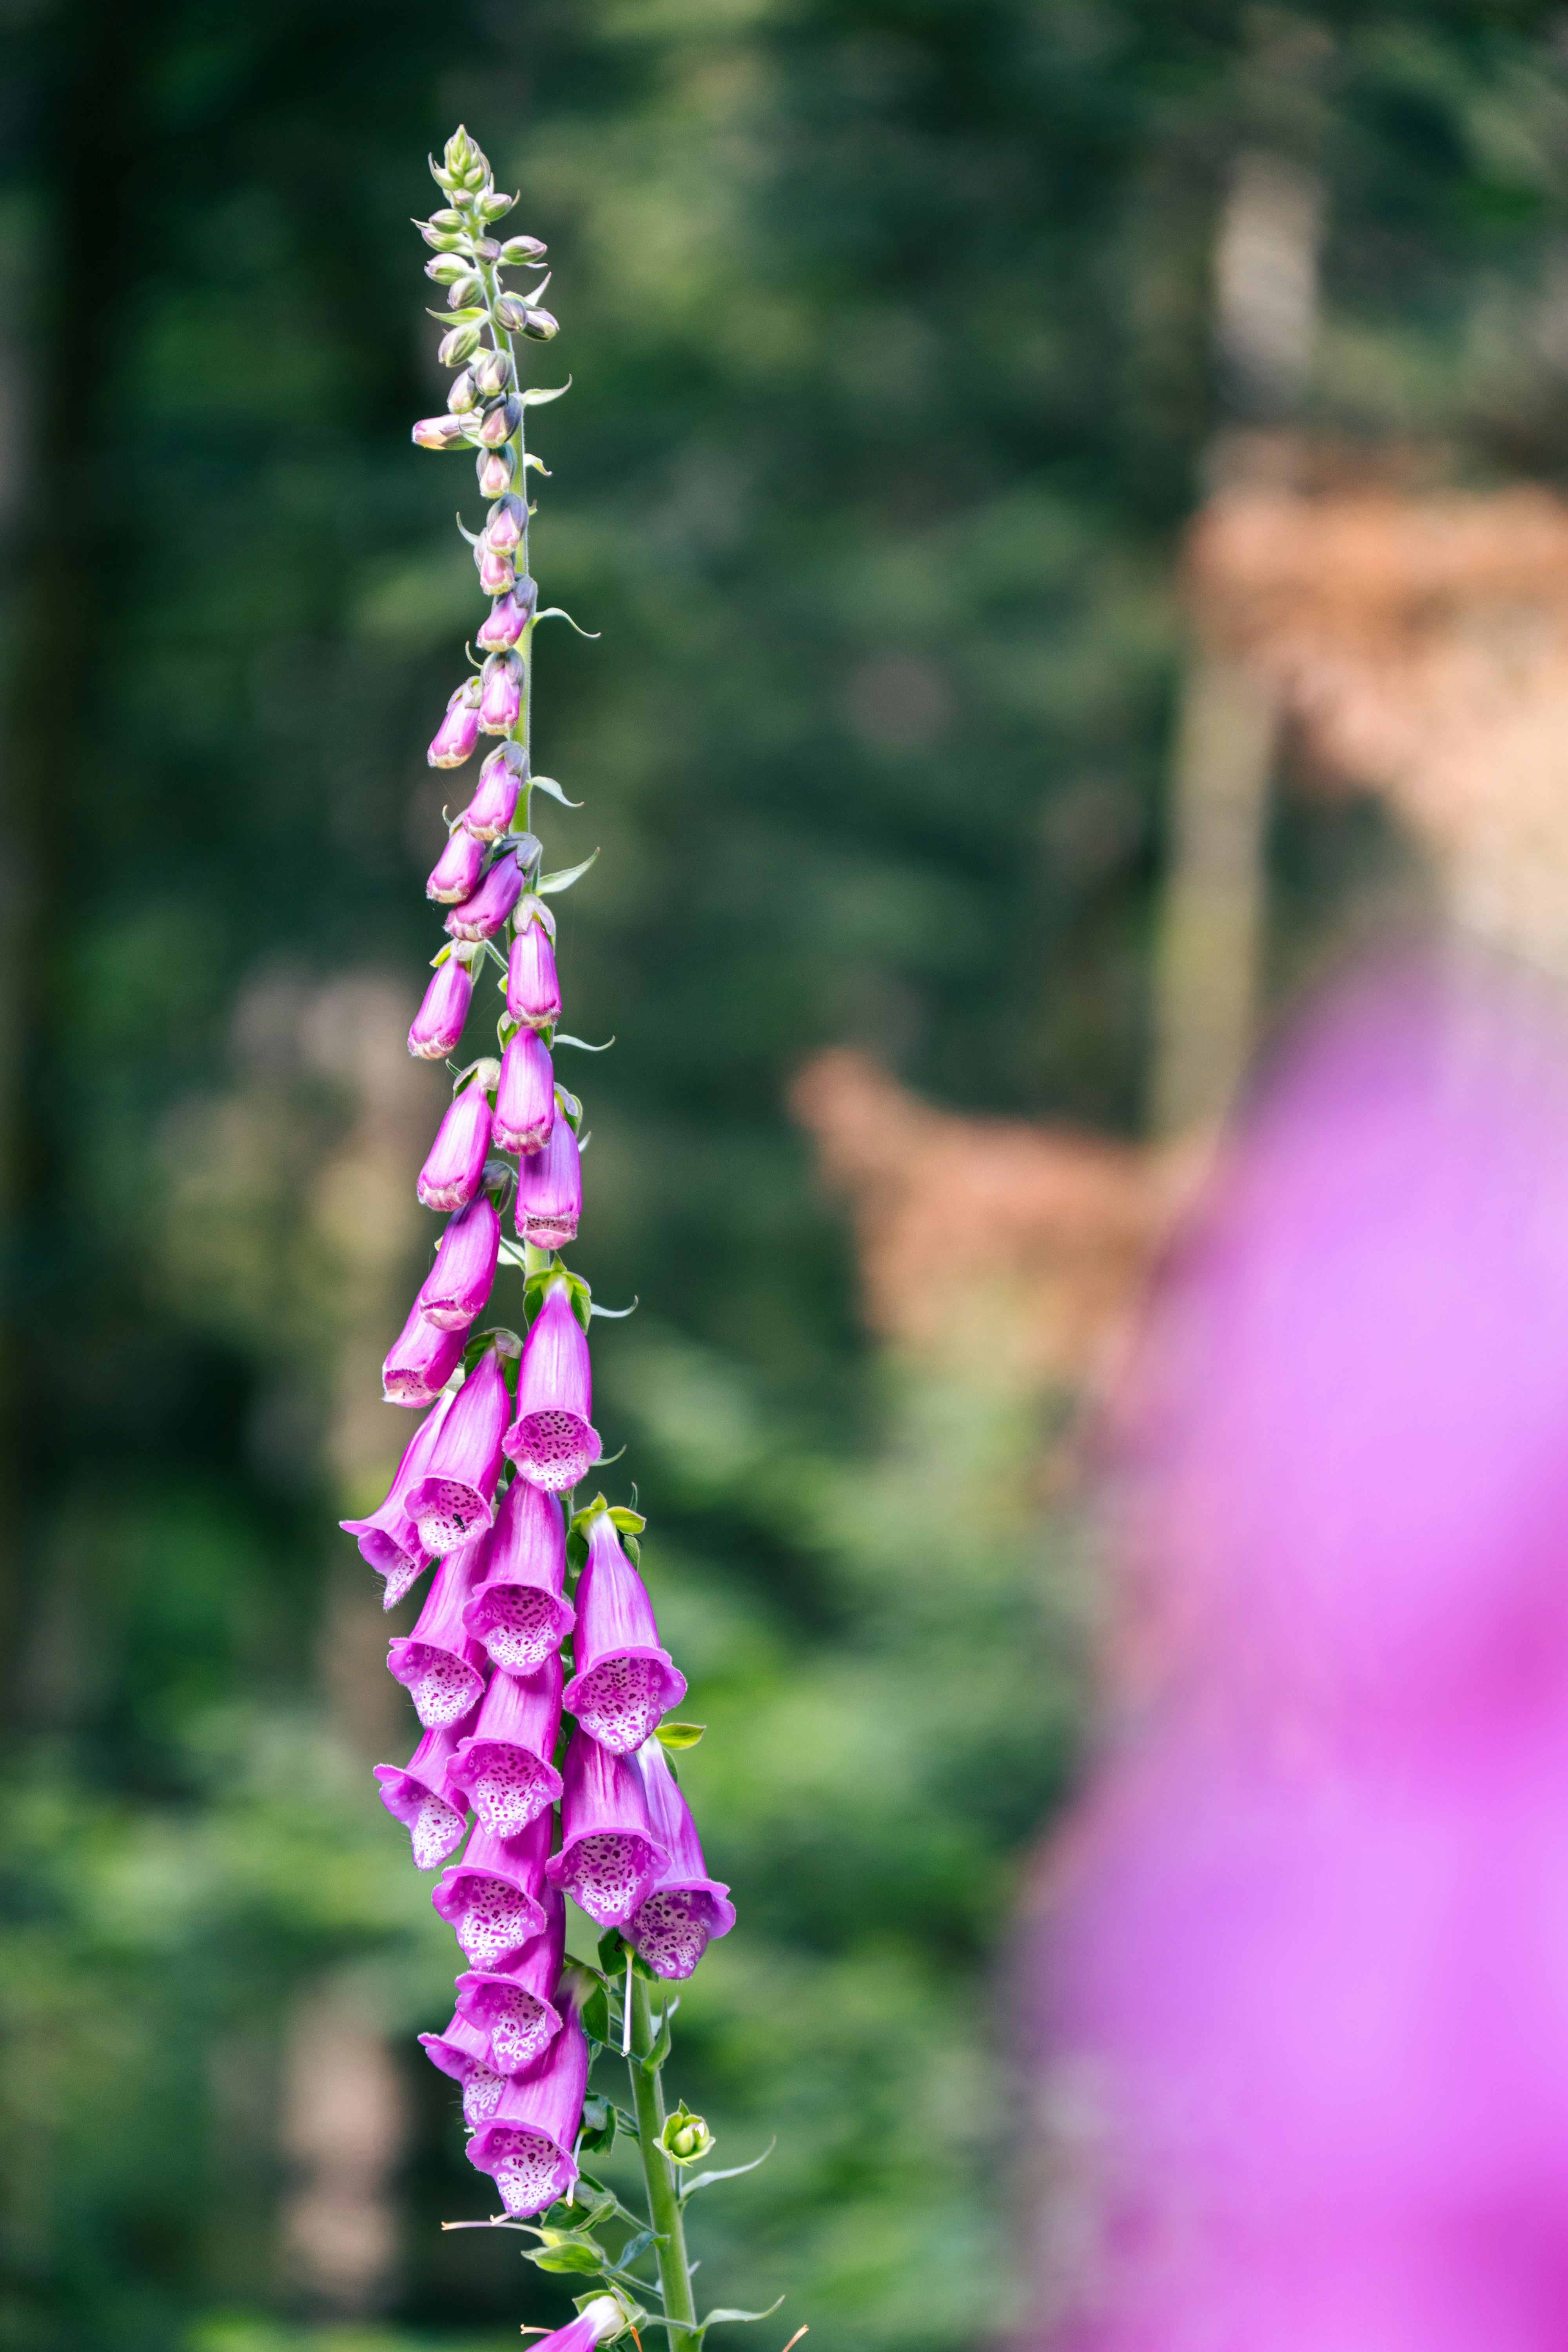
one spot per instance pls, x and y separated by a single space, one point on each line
888 320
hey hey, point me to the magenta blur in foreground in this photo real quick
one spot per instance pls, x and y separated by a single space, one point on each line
508 1432
1301 1973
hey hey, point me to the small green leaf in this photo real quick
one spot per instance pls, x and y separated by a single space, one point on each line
596 2017
561 1038
614 1313
717 2318
548 784
528 399
599 2114
680 1735
559 613
660 2050
549 885
630 1523
730 2172
530 458
612 1947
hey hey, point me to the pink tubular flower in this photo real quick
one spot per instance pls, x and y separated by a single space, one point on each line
516 2011
525 1094
458 1284
550 1190
455 1161
459 2052
504 1765
532 989
495 469
624 1681
610 1860
673 1927
500 694
491 1899
552 1440
482 915
504 525
490 811
388 1540
596 2320
421 1361
440 1664
496 574
508 616
519 1612
453 740
439 433
451 1502
419 1794
456 870
438 1023
526 2145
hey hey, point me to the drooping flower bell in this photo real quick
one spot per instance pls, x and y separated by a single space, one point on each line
500 694
624 1681
455 1161
532 989
504 525
525 1094
490 811
451 1502
519 1611
495 469
491 1899
550 1190
504 1765
596 2320
481 916
419 1364
388 1540
516 2009
438 1026
496 574
526 2144
610 1860
440 1664
551 1439
673 1926
461 2051
508 617
453 740
419 1795
439 433
457 1287
455 873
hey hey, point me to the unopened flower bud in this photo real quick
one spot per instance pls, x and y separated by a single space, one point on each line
439 433
456 871
463 399
685 2136
508 616
503 526
481 915
550 1190
493 205
464 291
486 249
496 574
446 218
500 694
490 811
525 1094
448 269
542 325
459 730
458 344
457 1287
518 252
532 990
421 1361
455 1161
492 372
438 1023
501 423
496 468
444 240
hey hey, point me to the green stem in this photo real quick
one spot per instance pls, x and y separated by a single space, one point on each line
659 2176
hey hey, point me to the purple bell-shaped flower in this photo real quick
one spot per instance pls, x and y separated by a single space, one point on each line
440 1664
491 1899
526 2144
461 2051
550 1189
525 1094
624 1681
455 1161
457 1287
519 1611
673 1926
504 1766
533 989
456 872
456 736
451 1502
610 1860
419 1364
481 915
515 2009
420 1795
490 811
388 1540
438 1026
551 1439
500 694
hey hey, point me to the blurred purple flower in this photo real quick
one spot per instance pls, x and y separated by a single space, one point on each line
550 1190
420 1362
519 1611
552 1440
673 1926
420 1795
457 1287
624 1681
438 1025
455 1162
504 1766
610 1858
440 1663
452 1502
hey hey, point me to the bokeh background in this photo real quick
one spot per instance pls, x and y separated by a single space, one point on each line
968 809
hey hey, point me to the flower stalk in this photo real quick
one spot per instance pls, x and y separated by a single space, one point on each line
536 1605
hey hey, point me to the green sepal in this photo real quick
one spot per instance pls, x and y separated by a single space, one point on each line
581 2256
680 1735
730 2172
548 784
662 2041
595 2016
598 2132
549 885
559 611
537 399
466 316
561 1038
